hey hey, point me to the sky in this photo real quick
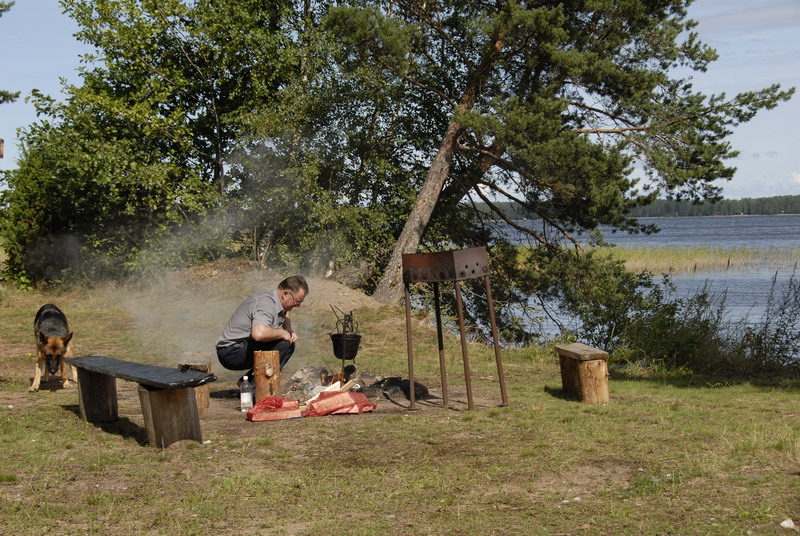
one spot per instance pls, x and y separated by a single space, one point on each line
758 42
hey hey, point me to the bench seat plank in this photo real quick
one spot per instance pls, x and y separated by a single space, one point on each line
150 375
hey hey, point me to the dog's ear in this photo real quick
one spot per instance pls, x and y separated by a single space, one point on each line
67 338
43 338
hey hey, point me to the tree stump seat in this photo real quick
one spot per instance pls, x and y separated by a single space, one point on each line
166 394
584 372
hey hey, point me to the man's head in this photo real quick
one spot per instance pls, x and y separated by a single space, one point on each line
292 291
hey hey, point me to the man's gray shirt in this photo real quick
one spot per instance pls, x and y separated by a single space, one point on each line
262 308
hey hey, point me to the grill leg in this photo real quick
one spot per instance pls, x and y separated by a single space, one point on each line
411 388
464 354
442 365
495 339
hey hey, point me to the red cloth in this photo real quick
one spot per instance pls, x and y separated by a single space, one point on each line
335 403
273 408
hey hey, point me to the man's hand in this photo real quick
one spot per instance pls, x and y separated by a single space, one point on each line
292 336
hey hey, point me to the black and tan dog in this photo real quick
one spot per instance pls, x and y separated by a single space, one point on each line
52 344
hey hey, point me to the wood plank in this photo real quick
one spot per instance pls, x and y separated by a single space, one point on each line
580 351
150 375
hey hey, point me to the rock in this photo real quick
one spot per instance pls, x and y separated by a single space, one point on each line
373 393
366 379
354 275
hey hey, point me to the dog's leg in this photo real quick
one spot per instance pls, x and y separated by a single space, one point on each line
64 380
73 372
38 372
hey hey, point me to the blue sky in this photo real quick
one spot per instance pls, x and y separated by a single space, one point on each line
758 43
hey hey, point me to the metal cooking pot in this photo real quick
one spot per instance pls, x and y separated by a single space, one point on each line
345 345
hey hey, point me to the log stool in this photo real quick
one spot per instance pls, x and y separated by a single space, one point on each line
584 372
201 393
267 372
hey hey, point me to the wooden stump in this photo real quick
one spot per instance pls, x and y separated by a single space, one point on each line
267 367
584 372
201 393
170 415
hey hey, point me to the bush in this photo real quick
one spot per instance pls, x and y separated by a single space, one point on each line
694 333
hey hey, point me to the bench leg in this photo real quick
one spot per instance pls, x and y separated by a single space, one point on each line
170 415
97 396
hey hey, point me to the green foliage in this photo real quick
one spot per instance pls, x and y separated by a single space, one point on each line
7 96
774 344
136 152
600 292
640 321
549 105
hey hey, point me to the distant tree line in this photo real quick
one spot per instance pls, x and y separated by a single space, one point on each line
664 208
781 204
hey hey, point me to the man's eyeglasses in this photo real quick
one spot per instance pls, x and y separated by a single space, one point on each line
296 301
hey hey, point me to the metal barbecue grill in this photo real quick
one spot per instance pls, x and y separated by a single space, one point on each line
444 267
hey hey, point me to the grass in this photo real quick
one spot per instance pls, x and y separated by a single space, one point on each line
676 454
671 259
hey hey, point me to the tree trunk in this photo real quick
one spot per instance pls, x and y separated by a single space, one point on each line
390 288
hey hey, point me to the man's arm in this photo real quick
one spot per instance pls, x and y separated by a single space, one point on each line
263 333
287 325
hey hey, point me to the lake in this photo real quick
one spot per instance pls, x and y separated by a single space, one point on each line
747 288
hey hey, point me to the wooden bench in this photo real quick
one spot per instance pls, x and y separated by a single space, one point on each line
584 372
166 394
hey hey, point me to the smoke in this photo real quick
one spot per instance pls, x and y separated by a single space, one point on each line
48 258
179 316
184 287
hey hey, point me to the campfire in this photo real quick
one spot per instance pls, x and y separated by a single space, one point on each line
308 383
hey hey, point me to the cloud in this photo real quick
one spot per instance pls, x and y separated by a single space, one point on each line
795 178
741 17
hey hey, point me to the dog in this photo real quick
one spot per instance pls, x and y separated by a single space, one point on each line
53 345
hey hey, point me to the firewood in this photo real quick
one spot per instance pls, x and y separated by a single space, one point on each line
335 386
349 385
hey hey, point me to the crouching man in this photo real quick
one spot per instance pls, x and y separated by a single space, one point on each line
260 323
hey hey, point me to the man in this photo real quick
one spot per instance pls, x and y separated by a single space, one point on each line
262 322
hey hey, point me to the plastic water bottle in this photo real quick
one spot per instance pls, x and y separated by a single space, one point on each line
246 394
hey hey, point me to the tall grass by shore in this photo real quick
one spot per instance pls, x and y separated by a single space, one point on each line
671 259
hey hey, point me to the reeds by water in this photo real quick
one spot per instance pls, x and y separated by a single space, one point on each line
676 260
